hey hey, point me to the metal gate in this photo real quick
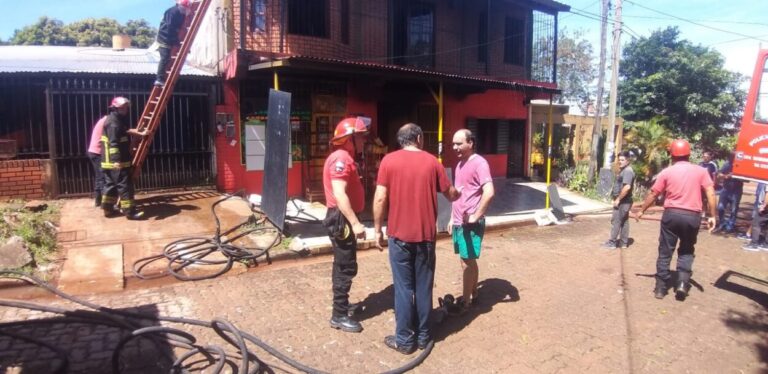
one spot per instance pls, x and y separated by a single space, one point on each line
182 150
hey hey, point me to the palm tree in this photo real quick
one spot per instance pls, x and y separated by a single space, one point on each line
651 140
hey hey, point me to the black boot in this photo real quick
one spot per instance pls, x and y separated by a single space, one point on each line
109 210
681 289
661 289
97 200
133 214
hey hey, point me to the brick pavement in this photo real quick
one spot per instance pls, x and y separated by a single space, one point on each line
550 301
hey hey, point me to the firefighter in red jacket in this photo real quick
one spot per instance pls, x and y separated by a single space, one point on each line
116 160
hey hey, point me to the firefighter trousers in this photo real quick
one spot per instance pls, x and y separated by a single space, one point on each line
117 182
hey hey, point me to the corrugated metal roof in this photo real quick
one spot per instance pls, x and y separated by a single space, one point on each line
60 59
297 61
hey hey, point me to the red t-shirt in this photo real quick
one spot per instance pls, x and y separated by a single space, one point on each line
683 183
412 180
340 165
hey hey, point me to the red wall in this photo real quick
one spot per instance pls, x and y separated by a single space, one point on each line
24 179
232 175
493 104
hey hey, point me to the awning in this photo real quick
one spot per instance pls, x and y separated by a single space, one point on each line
306 63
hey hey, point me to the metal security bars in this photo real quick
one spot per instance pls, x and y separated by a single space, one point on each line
543 47
22 116
181 154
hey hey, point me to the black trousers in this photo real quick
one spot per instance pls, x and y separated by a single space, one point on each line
117 182
677 225
165 56
98 181
344 264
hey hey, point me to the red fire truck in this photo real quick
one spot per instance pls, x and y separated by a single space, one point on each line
751 154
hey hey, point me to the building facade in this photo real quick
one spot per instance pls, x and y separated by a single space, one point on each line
443 64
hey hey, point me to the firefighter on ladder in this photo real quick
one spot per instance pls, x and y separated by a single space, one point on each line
116 160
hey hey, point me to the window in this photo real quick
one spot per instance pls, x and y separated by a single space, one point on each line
543 47
414 35
491 135
259 16
308 17
761 105
482 38
345 21
514 41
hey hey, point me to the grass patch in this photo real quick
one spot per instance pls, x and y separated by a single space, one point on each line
38 229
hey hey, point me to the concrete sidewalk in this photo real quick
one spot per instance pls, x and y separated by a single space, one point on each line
551 300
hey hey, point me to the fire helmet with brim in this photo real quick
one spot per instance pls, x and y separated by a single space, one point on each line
348 127
119 102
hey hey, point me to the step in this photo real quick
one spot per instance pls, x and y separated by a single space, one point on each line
93 269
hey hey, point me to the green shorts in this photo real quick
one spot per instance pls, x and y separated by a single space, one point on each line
468 238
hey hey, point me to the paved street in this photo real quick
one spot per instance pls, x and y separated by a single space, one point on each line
551 301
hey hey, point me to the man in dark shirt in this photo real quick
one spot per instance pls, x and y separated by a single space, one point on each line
730 197
168 35
622 203
116 160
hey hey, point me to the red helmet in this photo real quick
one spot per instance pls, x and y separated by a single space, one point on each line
347 127
119 102
680 148
184 3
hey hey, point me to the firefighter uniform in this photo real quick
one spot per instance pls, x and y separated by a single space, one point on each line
116 163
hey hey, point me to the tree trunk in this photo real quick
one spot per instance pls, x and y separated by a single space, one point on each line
597 130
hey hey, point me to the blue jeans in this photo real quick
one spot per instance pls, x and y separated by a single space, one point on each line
413 274
732 198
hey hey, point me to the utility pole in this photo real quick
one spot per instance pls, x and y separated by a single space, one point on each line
611 144
597 128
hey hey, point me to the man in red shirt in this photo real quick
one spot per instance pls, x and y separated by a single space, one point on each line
406 187
344 197
682 182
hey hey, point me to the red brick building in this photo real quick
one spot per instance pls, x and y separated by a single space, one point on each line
443 64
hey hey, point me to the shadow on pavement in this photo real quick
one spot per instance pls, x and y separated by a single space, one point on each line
757 296
490 292
375 304
82 342
754 323
162 211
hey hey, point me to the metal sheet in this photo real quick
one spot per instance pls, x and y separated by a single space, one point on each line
275 194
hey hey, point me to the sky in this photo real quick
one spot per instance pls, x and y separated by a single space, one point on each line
722 25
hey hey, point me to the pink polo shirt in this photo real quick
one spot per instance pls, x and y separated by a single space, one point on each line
471 175
98 128
683 183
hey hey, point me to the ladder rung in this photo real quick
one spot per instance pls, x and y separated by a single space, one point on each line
147 117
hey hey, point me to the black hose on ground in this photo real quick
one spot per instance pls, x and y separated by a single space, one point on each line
128 320
193 251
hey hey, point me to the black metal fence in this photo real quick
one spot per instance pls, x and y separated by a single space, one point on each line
53 118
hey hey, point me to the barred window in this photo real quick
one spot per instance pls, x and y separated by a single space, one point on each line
308 17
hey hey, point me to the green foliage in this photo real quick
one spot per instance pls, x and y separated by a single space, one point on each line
650 140
685 87
575 68
86 32
36 228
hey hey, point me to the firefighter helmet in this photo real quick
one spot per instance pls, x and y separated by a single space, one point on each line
680 148
347 127
184 3
119 102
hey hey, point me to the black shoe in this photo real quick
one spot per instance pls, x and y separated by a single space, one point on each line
681 290
346 324
109 211
97 200
391 342
423 345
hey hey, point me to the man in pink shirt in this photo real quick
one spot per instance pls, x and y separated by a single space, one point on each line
683 183
473 180
94 155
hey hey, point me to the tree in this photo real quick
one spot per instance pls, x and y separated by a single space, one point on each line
576 70
87 32
141 33
684 86
46 31
94 32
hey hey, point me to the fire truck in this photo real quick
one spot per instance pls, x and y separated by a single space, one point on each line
751 154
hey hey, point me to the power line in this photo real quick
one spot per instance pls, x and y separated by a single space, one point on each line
709 21
696 23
